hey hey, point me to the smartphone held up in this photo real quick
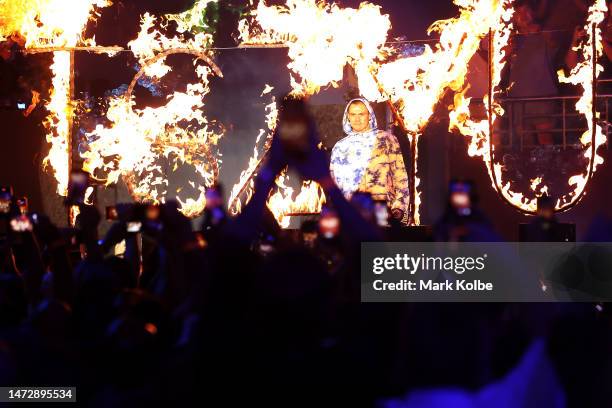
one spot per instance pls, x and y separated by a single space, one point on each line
77 187
294 127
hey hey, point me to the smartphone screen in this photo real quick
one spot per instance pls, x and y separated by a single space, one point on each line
21 224
460 200
79 178
293 132
293 126
77 187
134 227
381 211
329 225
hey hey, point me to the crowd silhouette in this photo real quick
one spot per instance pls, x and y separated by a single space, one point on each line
241 312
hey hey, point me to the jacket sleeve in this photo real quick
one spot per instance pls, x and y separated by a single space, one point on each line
332 163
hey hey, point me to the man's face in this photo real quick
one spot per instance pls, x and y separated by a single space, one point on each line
359 117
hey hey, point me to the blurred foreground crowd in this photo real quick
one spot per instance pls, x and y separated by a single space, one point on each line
240 312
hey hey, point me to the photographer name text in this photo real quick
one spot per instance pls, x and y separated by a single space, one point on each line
460 285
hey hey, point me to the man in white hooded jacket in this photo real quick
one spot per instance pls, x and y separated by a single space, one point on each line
370 160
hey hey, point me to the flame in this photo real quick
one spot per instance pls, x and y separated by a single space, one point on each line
35 101
323 38
151 42
535 186
245 184
46 23
478 131
416 84
179 132
582 75
59 121
282 203
60 23
73 214
53 23
191 19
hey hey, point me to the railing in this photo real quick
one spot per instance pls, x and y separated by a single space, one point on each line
511 131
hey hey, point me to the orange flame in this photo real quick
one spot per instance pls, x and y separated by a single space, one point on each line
321 38
416 84
245 184
582 75
478 131
179 132
59 121
53 23
35 101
